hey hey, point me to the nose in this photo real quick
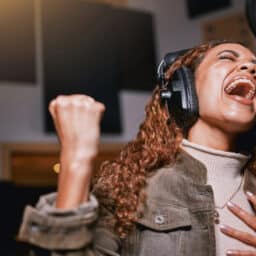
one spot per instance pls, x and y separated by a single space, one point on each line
248 67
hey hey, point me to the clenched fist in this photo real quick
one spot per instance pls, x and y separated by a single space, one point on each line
77 122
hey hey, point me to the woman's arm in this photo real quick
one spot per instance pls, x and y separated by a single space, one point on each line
77 122
67 222
76 231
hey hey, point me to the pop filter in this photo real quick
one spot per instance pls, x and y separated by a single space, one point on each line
251 14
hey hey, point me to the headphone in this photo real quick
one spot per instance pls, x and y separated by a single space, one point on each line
178 93
251 14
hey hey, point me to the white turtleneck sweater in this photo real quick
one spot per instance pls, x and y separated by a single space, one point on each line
224 174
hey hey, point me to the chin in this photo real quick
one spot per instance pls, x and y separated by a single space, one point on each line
239 123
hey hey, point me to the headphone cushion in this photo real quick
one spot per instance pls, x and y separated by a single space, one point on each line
192 108
184 103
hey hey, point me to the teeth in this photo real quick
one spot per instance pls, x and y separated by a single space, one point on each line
233 85
250 94
230 87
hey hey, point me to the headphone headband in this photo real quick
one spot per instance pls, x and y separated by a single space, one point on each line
166 62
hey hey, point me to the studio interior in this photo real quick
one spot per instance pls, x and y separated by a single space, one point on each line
108 49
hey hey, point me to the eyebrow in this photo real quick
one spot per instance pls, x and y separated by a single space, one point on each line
236 54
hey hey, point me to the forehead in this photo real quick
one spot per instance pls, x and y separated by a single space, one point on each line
239 49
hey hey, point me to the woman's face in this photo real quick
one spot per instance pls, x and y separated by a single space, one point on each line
226 88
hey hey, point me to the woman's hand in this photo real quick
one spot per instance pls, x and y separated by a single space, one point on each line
244 237
77 122
77 119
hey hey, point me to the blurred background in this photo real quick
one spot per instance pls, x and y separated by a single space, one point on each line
108 49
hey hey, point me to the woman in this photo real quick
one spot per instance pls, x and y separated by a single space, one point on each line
169 191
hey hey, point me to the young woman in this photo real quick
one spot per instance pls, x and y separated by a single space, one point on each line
170 191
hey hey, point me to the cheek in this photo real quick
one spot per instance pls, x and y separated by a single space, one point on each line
208 93
210 109
207 105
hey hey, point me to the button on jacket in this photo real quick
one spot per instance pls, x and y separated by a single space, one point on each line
177 219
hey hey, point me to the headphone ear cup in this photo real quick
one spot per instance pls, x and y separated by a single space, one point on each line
183 105
191 107
179 94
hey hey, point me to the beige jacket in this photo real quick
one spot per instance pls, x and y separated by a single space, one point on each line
177 220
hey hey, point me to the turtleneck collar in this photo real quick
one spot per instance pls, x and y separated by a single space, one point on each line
187 144
224 169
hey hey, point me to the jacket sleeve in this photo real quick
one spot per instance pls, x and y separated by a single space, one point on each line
74 232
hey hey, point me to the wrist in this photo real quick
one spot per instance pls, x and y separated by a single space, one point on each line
76 170
73 189
73 184
75 158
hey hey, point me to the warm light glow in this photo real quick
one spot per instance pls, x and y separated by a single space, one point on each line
56 168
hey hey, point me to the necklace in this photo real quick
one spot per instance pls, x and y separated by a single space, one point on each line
216 215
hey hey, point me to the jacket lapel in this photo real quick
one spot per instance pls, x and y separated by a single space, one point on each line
250 181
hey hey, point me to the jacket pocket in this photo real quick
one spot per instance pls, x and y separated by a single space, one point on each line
159 230
165 217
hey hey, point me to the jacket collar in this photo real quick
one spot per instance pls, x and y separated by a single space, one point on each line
197 172
249 181
190 167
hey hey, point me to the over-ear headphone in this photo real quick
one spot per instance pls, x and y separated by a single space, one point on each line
251 14
178 93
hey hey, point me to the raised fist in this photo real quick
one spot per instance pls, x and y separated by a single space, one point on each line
77 122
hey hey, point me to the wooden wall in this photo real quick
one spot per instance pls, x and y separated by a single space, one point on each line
31 164
113 2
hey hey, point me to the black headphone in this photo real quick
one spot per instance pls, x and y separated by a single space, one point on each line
178 93
251 14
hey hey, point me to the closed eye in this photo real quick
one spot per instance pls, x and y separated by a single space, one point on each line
227 57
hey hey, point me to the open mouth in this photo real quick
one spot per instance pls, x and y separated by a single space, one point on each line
243 88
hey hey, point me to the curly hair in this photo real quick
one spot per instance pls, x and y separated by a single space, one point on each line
122 180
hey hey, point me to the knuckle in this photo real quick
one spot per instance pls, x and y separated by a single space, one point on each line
51 105
62 101
90 99
236 233
88 103
81 97
101 106
76 103
59 97
243 213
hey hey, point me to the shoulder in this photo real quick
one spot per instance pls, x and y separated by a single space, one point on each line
185 169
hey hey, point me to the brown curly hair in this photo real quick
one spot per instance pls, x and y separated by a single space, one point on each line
121 182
